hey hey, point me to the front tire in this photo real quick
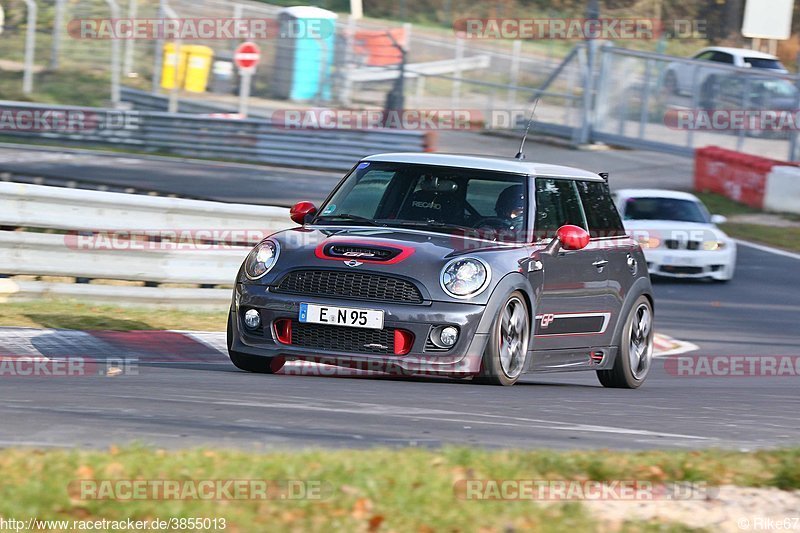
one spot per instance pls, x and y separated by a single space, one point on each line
635 354
251 363
507 349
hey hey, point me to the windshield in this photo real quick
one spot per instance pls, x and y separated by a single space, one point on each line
758 62
776 87
665 209
444 199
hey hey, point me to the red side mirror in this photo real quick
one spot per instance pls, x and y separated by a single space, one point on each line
573 237
300 210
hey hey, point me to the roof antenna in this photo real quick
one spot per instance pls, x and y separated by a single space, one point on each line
521 154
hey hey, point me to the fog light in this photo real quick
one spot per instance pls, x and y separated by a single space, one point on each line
252 319
448 336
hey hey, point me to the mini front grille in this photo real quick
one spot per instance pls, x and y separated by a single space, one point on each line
343 339
352 285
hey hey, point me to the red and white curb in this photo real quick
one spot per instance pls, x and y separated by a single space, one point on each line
170 347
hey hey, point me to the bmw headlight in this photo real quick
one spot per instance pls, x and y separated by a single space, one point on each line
465 277
711 246
261 259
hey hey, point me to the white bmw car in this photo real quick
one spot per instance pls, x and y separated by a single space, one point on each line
679 237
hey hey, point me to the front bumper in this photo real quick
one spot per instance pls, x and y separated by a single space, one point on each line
463 359
718 264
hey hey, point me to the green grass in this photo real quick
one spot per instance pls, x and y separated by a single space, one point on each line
720 205
68 87
66 314
391 490
787 238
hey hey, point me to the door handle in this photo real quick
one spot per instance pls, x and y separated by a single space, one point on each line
600 263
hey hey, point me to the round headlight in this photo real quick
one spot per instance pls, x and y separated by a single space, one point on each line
464 278
261 259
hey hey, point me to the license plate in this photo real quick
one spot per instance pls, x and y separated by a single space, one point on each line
341 316
678 261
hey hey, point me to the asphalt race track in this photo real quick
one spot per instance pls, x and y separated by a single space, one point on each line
212 403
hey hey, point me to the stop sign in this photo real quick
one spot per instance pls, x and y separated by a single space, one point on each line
247 55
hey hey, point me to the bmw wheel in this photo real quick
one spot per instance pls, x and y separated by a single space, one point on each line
507 349
635 354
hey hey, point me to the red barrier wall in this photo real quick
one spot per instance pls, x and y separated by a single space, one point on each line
740 177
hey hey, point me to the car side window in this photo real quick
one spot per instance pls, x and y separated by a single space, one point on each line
706 56
722 57
601 213
557 203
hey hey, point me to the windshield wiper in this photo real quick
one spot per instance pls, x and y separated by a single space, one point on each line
428 224
348 216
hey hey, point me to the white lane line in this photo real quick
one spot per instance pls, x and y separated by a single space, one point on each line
670 346
768 249
416 413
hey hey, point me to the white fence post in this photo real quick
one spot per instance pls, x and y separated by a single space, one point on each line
30 48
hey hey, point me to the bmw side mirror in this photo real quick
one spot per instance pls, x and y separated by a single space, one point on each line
301 210
718 219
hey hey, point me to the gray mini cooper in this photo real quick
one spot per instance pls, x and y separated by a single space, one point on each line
463 266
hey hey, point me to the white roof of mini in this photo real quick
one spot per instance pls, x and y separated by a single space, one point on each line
738 52
481 162
655 193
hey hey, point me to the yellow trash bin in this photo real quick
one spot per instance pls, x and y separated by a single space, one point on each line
189 68
173 65
198 67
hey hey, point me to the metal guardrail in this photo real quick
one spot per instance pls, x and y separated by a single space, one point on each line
248 140
103 235
147 101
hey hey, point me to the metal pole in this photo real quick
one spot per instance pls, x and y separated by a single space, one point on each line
745 107
645 99
55 45
30 48
244 90
158 54
349 60
127 68
793 136
592 13
115 63
455 99
172 106
514 73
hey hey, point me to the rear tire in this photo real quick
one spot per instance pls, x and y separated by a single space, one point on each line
507 349
251 363
635 354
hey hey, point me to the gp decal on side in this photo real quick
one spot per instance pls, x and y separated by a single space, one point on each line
553 324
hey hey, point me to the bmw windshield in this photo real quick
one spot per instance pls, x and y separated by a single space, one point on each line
665 209
444 199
